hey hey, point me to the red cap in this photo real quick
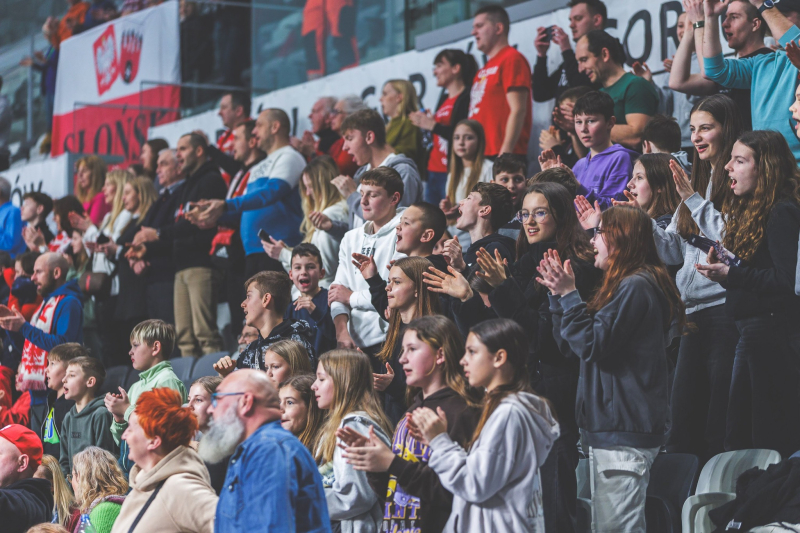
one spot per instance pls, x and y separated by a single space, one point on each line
26 441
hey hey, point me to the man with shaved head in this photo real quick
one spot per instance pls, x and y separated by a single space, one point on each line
268 465
271 201
24 500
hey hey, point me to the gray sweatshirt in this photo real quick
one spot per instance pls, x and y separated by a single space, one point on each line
696 291
496 484
90 427
412 187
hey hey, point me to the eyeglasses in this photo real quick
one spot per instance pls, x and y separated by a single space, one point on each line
596 231
538 215
336 112
217 395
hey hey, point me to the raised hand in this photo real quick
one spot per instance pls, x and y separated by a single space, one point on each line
694 11
793 53
351 438
549 138
494 271
541 42
374 456
429 424
381 381
453 254
453 284
224 366
682 183
642 70
79 222
548 159
561 38
366 265
117 404
589 216
716 8
422 120
345 185
630 203
273 247
320 221
557 277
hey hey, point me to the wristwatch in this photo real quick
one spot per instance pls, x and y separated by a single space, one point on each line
699 24
768 4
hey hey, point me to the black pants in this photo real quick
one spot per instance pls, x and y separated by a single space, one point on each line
702 384
255 263
763 409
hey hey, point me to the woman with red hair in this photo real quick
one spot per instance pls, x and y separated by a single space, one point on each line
168 473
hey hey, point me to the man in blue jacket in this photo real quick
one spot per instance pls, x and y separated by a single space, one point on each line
270 472
10 222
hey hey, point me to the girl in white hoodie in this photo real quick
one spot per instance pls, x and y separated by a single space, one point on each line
344 387
495 482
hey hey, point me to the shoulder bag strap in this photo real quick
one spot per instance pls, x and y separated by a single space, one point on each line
146 505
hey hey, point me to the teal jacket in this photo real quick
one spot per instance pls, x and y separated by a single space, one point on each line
772 80
159 376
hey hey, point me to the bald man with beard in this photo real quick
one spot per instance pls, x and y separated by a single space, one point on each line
269 470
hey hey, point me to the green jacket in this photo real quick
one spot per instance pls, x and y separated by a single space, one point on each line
406 139
156 377
90 427
104 515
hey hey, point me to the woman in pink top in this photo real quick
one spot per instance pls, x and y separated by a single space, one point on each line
89 179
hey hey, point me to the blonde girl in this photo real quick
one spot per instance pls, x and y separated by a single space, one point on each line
285 359
99 486
300 413
398 100
64 510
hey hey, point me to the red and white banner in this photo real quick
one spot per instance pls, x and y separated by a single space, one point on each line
116 81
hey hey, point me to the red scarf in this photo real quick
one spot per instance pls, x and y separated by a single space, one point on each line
34 359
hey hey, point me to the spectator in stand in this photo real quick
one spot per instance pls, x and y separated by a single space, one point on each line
509 170
661 135
584 16
62 207
325 216
89 180
606 170
365 138
6 118
271 200
57 405
65 512
195 279
398 100
24 500
561 137
100 487
10 222
35 208
602 58
158 254
100 11
46 63
770 77
744 31
454 71
58 31
300 414
346 106
320 117
149 156
500 98
247 425
234 110
168 473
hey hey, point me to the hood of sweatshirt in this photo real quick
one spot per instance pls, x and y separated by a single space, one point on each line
540 418
181 460
613 150
70 288
389 227
97 404
401 159
506 242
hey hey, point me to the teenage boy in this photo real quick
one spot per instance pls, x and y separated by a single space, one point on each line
34 210
357 323
662 135
509 170
152 342
364 135
482 213
606 169
268 293
57 404
312 304
88 423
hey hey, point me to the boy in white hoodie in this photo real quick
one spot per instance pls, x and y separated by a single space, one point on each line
356 321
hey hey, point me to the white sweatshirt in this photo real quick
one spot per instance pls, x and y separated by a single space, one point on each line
496 485
101 263
366 326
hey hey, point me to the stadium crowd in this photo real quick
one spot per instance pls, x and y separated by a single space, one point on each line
431 335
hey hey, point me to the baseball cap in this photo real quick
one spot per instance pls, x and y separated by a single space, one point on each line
26 441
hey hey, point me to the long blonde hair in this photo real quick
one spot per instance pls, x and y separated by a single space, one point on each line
302 383
457 165
427 302
353 390
118 177
98 169
409 103
320 171
99 476
147 193
62 495
295 355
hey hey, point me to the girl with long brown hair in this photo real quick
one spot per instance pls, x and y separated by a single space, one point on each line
494 479
652 188
344 388
416 501
300 413
408 299
762 222
90 176
620 337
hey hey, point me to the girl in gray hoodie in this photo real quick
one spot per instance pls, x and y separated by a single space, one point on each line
495 480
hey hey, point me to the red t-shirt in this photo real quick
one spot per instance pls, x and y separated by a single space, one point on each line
438 159
488 104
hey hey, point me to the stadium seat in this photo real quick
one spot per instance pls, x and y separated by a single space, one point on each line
717 485
205 365
116 376
672 479
182 366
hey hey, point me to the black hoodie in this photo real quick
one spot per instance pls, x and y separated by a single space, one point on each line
290 329
24 504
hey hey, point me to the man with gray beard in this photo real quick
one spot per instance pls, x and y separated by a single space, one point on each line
268 465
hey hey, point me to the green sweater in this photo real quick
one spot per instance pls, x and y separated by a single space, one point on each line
104 515
406 139
156 377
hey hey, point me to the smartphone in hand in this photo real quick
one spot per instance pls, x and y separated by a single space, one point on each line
264 236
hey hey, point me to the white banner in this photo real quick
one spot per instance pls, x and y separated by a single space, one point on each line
50 176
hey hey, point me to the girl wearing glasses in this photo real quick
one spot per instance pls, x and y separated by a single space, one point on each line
620 337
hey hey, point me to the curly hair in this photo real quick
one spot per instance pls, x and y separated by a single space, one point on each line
98 475
161 414
777 178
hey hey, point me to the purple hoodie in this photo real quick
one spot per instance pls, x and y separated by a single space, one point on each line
604 176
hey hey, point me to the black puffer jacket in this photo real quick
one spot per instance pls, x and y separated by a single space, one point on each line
24 504
290 329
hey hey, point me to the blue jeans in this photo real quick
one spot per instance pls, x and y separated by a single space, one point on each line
435 188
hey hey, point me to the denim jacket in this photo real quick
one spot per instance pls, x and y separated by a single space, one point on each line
272 485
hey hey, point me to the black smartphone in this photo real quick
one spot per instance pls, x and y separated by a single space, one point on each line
701 242
549 33
102 238
263 235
